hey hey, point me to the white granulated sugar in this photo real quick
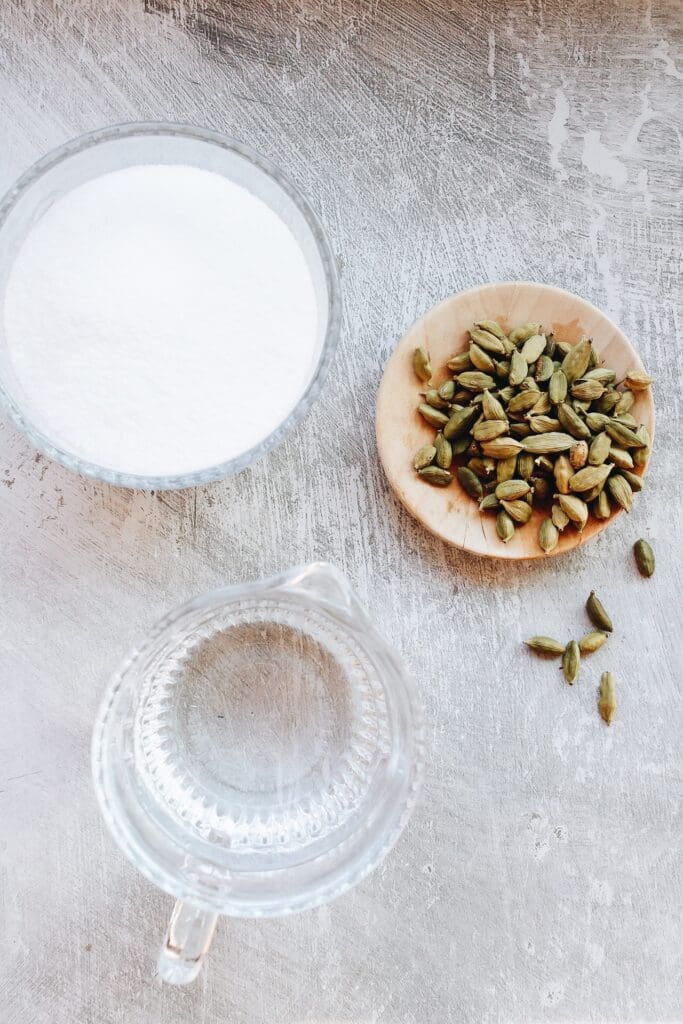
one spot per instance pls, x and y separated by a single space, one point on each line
160 320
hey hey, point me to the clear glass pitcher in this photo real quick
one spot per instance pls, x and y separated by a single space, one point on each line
258 755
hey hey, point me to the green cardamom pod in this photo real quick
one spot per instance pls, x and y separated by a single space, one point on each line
634 481
602 508
437 476
447 390
434 417
459 422
575 508
546 444
548 535
470 482
481 359
625 437
543 370
502 447
636 380
626 402
492 408
520 429
620 490
511 489
626 420
589 477
542 406
607 702
589 496
506 468
460 445
487 430
489 342
520 511
492 327
596 421
572 422
578 454
459 363
587 390
597 614
529 384
522 402
557 389
541 488
433 398
592 642
641 456
444 452
559 517
608 402
533 347
424 456
421 364
475 380
520 334
571 661
489 503
563 472
645 557
518 369
545 645
621 457
502 369
599 449
601 374
525 466
577 360
505 527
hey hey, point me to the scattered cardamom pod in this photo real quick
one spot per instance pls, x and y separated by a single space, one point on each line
489 503
548 535
571 661
592 642
636 380
519 510
435 475
459 363
601 374
642 455
545 645
505 527
597 614
433 416
544 368
645 557
543 424
443 452
492 408
433 398
522 403
424 456
421 364
607 702
634 481
506 468
487 430
563 472
525 466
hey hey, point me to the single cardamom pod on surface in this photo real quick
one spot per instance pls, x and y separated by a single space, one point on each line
572 422
571 661
559 517
545 645
437 476
578 454
459 363
444 452
481 359
521 334
577 360
589 477
597 614
547 444
475 380
636 380
588 390
502 447
433 416
470 482
492 327
492 408
520 511
548 535
505 527
592 642
518 368
575 508
626 402
599 449
459 421
620 490
421 364
511 489
488 341
557 389
607 701
645 557
424 456
533 347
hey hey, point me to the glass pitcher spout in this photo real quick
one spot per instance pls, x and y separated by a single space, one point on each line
323 583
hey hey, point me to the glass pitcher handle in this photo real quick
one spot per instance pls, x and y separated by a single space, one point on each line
186 943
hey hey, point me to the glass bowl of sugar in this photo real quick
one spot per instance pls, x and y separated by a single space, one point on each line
169 305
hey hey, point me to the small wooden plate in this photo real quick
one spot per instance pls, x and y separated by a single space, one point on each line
449 512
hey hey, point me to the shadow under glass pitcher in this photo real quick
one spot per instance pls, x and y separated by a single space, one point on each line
258 755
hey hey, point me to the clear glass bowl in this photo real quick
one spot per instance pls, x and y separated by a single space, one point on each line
121 146
259 755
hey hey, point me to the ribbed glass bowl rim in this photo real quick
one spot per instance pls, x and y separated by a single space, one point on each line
231 466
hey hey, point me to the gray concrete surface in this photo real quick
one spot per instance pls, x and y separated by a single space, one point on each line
443 144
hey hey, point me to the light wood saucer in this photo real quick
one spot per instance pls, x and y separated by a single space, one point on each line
449 512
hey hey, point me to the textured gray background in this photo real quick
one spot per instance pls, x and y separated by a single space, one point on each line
444 144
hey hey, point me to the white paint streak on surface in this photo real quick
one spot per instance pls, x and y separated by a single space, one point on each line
598 159
492 62
558 134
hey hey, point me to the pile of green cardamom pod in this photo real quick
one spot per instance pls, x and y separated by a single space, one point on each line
524 419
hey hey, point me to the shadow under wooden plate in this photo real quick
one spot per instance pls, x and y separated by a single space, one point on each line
449 512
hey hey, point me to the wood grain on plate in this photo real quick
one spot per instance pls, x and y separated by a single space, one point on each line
448 512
